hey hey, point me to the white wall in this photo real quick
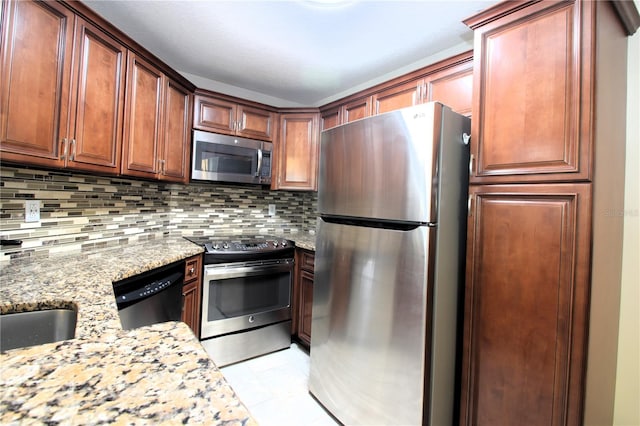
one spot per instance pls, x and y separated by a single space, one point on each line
627 407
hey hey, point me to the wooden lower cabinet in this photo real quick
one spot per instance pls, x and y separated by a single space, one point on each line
526 304
191 292
303 295
306 303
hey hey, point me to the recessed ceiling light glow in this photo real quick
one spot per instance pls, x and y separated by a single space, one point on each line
328 3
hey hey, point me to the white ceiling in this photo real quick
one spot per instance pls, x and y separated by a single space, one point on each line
294 53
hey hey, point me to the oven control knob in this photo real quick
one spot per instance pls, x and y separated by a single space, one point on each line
275 244
216 246
225 246
283 243
251 318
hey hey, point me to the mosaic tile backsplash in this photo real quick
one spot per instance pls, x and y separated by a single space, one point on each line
80 212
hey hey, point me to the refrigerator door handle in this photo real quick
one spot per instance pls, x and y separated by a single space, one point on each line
466 138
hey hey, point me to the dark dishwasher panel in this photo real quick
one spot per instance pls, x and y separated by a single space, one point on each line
151 297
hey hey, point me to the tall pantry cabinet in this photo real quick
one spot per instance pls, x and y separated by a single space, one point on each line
544 241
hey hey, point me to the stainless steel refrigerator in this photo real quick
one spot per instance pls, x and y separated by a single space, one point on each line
389 267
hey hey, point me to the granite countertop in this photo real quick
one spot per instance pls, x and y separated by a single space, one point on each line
304 240
106 374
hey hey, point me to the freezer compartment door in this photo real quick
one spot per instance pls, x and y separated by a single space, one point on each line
382 167
371 322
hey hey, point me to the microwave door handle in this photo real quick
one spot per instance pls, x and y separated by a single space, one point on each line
259 169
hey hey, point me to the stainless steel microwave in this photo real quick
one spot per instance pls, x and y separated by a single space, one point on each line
223 158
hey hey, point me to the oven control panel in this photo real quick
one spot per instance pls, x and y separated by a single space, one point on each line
242 248
257 246
248 246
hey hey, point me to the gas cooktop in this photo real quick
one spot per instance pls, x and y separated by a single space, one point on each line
242 247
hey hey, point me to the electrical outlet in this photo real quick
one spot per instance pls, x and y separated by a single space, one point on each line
32 211
272 209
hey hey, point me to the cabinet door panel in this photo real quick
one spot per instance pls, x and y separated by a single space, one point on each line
142 118
355 110
37 42
255 123
298 151
306 304
525 308
99 85
330 118
527 96
191 293
402 96
191 306
453 88
176 133
214 115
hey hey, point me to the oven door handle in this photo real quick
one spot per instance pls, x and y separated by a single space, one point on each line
221 273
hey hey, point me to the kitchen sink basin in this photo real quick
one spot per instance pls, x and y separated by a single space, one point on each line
22 329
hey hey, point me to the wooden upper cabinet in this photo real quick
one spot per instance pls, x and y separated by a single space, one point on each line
297 152
223 116
143 115
37 45
157 116
531 90
330 118
255 123
176 144
448 81
404 95
53 114
452 87
214 115
356 109
98 90
525 309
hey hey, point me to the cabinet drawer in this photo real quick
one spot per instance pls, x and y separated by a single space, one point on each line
192 268
307 260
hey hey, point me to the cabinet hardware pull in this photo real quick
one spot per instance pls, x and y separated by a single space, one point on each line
191 271
469 201
471 165
161 166
65 148
72 156
466 138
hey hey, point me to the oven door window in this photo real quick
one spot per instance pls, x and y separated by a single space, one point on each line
247 295
217 158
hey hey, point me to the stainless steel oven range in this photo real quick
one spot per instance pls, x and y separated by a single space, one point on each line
246 297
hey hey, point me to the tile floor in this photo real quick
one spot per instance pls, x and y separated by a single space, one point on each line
274 389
